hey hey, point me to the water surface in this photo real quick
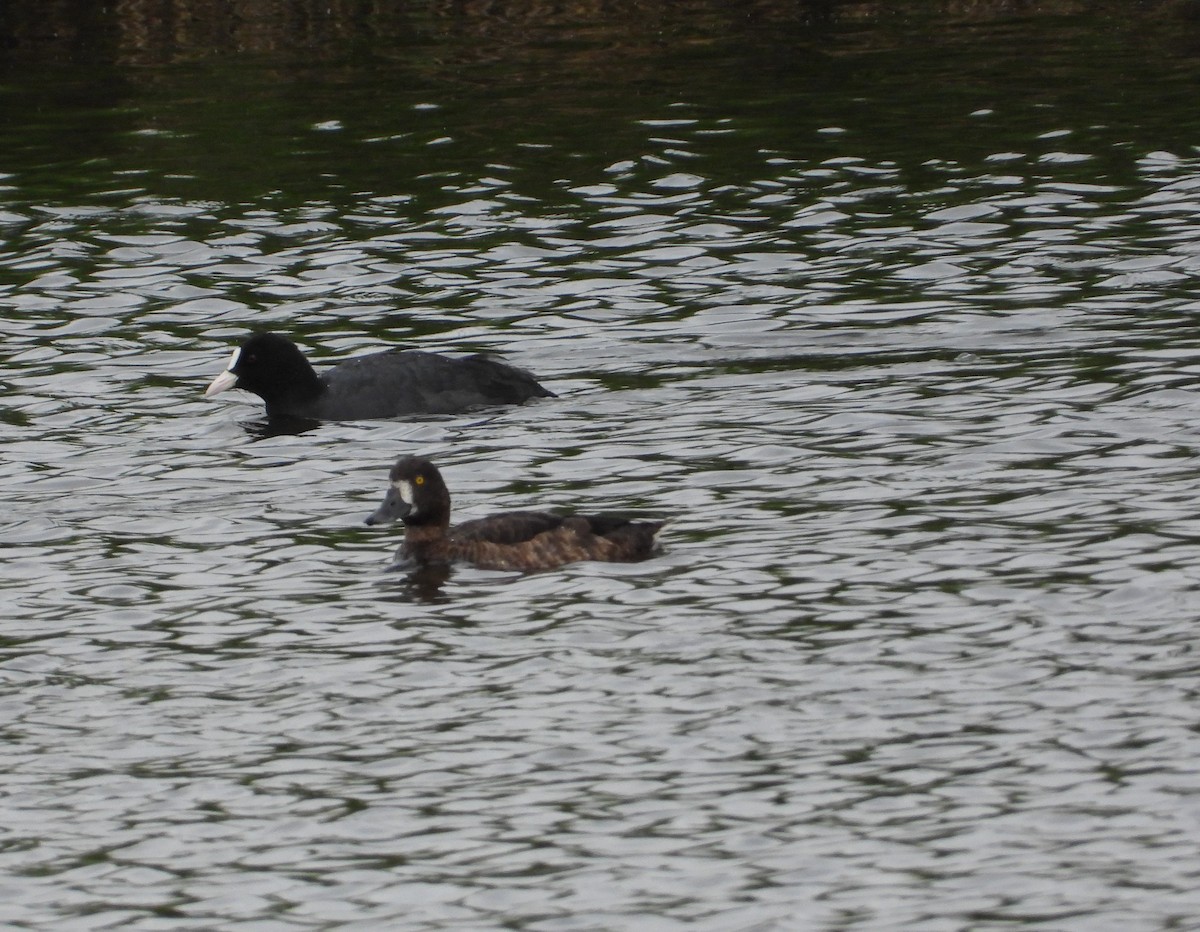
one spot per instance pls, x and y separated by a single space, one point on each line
903 343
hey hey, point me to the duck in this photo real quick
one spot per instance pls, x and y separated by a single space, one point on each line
375 385
526 541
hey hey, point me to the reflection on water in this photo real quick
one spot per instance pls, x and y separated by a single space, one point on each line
420 583
266 427
912 373
588 33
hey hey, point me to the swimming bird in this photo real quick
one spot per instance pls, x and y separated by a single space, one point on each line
513 540
376 385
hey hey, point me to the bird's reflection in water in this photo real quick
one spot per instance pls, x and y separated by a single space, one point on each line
411 583
265 428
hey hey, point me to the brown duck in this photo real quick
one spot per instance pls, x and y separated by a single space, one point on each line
513 540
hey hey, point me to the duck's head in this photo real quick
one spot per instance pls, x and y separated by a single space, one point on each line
416 495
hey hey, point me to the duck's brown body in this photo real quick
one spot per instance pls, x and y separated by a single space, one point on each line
515 540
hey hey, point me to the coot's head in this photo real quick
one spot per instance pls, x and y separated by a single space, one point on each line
417 495
272 367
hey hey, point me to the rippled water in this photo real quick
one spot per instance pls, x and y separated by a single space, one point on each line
919 650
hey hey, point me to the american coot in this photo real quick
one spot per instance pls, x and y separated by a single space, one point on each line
513 540
384 384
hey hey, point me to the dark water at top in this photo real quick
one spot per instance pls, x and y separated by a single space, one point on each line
895 316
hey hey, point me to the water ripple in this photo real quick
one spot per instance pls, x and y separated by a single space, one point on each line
920 635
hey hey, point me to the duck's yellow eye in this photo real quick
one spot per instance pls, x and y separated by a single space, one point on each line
420 480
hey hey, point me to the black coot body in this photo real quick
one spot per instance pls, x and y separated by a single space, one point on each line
378 385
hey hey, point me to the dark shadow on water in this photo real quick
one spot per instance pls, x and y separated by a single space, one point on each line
417 584
265 428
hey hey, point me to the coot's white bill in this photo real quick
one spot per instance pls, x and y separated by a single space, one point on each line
226 379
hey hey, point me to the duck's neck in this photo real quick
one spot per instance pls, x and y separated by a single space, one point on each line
426 543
